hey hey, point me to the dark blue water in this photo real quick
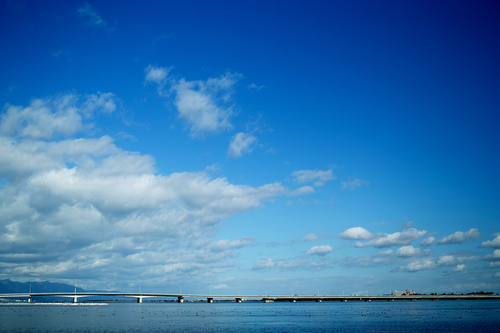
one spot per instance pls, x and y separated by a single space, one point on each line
402 316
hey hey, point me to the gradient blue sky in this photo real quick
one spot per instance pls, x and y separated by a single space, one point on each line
271 146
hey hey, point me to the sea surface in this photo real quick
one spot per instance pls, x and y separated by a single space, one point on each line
380 316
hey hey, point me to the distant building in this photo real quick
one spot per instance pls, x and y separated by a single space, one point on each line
403 293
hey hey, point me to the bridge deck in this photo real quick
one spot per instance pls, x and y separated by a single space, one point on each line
263 297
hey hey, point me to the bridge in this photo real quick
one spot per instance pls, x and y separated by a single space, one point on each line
239 298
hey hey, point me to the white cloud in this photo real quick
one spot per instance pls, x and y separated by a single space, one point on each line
384 253
493 256
106 102
225 244
320 250
428 241
385 258
419 265
200 111
495 243
459 237
94 19
459 268
354 183
45 118
378 259
254 86
399 238
308 238
407 251
241 143
317 176
444 260
263 264
157 74
356 233
202 105
267 264
197 103
302 190
72 207
219 286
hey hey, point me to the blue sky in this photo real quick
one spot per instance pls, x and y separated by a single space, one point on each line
281 147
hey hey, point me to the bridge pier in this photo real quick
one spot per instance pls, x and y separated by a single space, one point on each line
319 300
180 299
139 299
238 300
29 299
75 299
210 300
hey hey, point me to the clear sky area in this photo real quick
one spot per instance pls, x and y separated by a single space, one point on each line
280 147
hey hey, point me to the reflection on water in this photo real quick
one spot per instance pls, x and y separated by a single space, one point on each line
445 316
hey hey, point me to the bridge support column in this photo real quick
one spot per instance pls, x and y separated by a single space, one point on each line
210 300
319 300
180 299
139 299
29 299
238 300
75 299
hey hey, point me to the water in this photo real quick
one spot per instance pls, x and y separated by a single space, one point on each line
402 316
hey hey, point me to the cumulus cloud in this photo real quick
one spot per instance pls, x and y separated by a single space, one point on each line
225 244
428 241
219 286
241 143
356 233
319 177
62 115
493 256
354 183
73 207
459 268
253 86
398 238
105 102
302 190
157 75
407 251
320 250
378 259
308 238
38 121
93 18
267 264
459 237
495 243
429 263
197 106
444 260
203 105
384 258
263 265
